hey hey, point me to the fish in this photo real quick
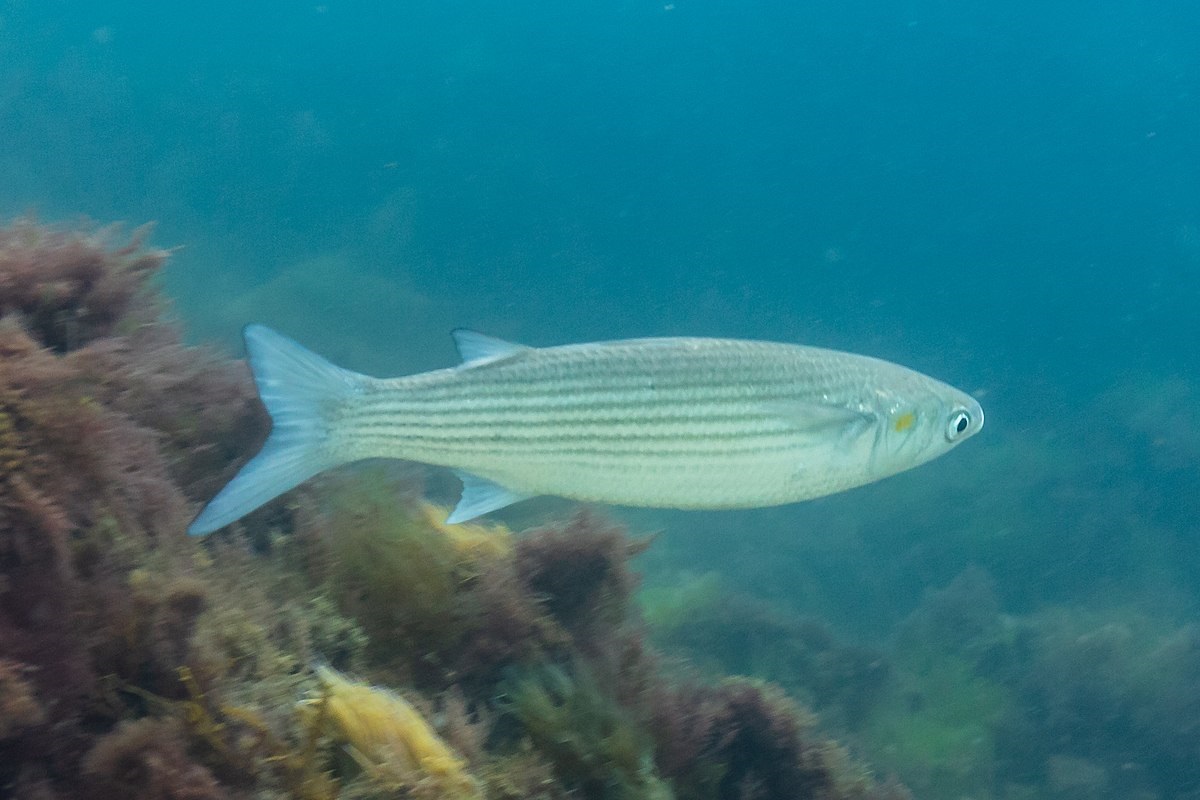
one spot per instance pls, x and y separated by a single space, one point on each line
686 423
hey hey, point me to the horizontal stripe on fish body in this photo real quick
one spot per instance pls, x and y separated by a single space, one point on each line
700 403
685 423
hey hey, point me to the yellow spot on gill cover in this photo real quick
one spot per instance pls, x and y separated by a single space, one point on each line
904 421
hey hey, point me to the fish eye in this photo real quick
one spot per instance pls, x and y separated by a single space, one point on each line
959 421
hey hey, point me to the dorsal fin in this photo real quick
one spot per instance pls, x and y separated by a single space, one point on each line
476 348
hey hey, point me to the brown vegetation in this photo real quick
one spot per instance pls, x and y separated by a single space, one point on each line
136 663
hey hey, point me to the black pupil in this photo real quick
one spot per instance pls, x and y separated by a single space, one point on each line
962 423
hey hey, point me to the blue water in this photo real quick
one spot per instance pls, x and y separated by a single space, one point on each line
1003 195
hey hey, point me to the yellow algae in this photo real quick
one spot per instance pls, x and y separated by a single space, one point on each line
471 540
391 740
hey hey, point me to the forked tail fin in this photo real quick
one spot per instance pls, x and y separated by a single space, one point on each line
299 389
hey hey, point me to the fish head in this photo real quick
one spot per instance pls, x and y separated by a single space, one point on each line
919 422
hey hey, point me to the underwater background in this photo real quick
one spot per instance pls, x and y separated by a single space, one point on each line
1005 196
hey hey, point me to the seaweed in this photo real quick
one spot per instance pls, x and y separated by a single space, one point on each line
1039 705
597 747
938 727
743 739
460 605
580 572
726 632
394 572
539 633
146 759
140 663
96 587
20 708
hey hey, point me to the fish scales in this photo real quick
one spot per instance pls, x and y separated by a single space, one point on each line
648 423
683 423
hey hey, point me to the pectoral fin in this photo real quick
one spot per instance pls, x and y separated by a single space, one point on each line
808 416
479 496
825 423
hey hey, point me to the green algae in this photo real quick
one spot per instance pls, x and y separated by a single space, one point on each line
398 577
937 729
593 743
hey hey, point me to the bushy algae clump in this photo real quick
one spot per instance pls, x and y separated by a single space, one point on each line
596 743
1041 705
102 412
725 632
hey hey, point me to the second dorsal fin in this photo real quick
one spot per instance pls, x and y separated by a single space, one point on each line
476 348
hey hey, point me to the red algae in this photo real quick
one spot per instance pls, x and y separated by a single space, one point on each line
90 489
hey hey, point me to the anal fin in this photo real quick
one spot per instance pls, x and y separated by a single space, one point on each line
479 496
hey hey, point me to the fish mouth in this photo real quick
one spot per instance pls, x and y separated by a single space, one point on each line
979 412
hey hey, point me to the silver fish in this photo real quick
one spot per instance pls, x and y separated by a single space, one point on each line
673 423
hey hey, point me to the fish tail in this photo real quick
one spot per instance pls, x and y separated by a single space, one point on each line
300 390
